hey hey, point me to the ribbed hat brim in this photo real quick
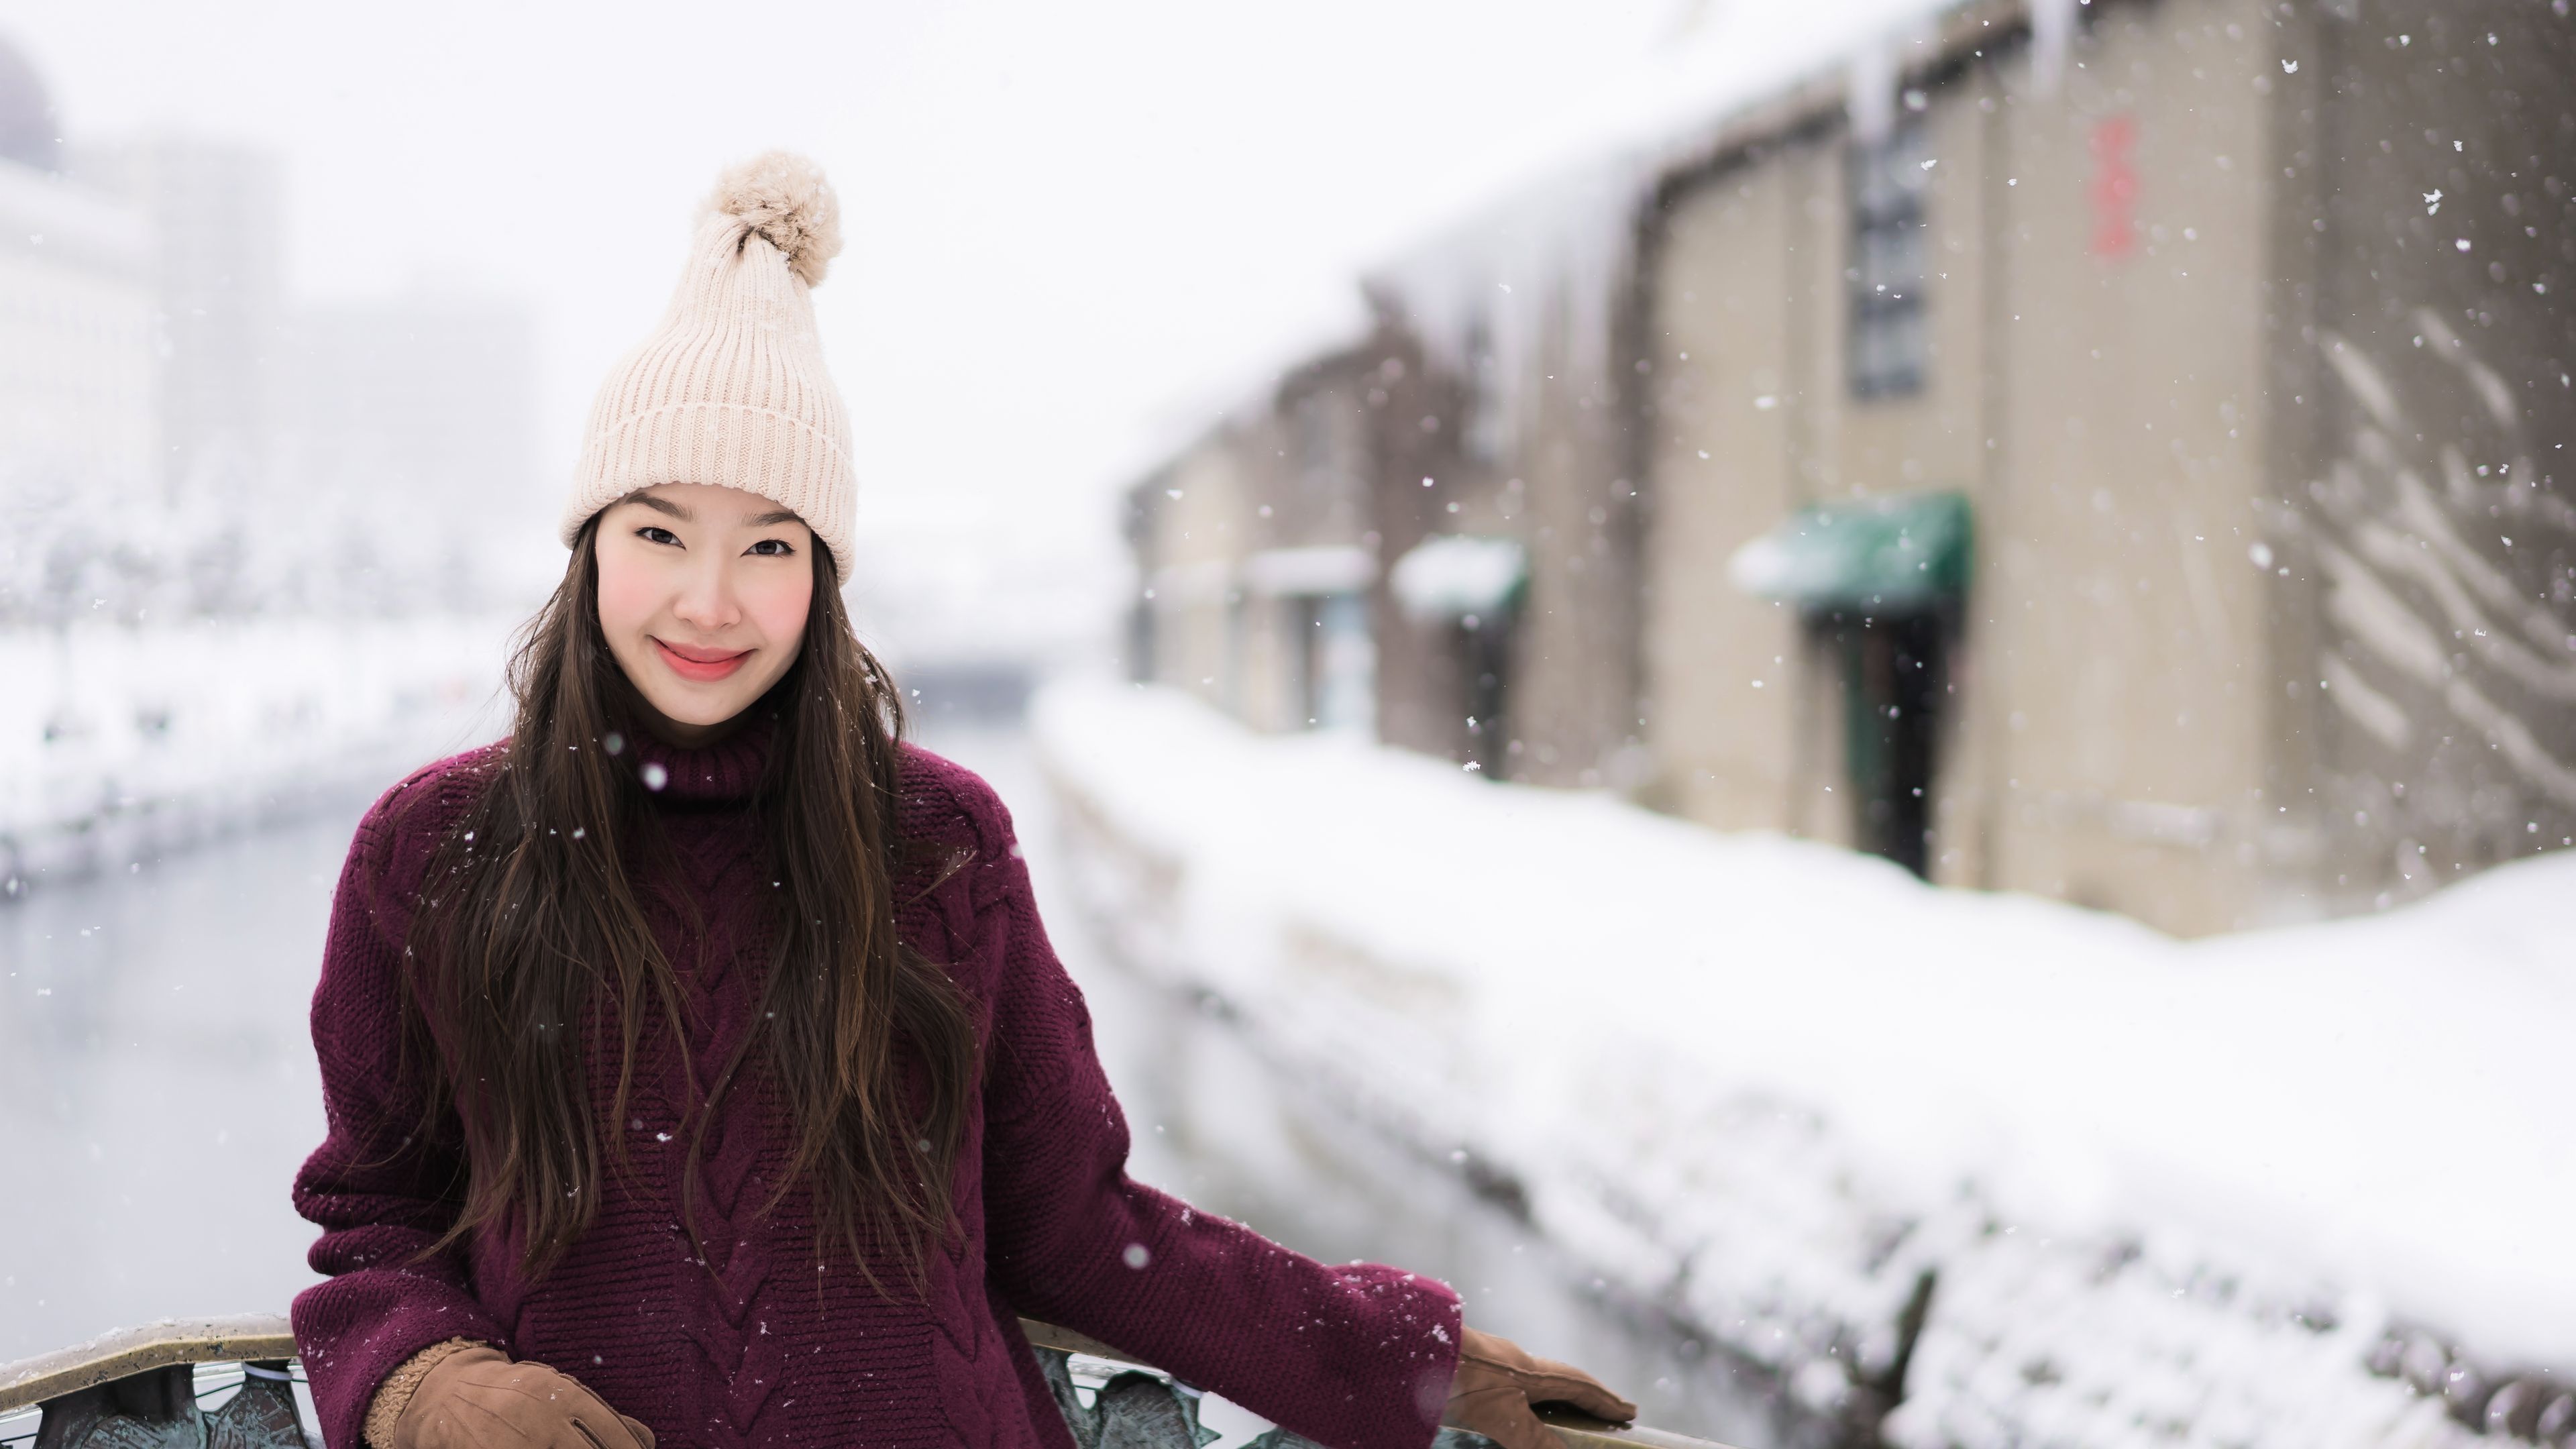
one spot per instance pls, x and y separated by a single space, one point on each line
727 445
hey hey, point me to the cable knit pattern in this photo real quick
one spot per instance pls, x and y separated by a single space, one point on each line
734 1335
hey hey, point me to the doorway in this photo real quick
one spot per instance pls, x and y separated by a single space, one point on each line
1895 674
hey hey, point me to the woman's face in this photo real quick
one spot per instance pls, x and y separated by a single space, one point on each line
703 593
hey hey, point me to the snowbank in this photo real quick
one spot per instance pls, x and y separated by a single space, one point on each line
115 738
1777 1086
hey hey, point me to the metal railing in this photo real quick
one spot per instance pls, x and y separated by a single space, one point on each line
138 1388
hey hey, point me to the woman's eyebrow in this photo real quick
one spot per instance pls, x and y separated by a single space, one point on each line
774 516
662 505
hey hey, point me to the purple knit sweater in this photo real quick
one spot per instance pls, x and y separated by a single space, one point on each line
754 1345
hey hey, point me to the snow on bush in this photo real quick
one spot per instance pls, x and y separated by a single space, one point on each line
2213 1192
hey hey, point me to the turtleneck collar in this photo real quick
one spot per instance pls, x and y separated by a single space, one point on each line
725 772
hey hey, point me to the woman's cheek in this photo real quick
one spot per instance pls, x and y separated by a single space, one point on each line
780 611
625 597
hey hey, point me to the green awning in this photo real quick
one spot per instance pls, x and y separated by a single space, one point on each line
1873 554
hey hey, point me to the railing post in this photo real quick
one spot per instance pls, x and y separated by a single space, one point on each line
262 1415
156 1409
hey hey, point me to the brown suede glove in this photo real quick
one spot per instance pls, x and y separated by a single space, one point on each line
478 1399
1498 1381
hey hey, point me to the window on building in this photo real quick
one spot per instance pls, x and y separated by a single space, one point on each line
1486 432
1890 348
1326 431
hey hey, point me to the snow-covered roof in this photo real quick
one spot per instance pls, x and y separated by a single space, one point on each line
1190 583
1455 574
1559 232
1555 252
1330 568
1902 552
1239 393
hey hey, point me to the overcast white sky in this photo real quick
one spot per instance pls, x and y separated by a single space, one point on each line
1065 221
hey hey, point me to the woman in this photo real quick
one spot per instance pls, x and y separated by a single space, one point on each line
701 1039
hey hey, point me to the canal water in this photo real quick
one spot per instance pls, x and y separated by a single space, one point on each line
160 1092
159 1083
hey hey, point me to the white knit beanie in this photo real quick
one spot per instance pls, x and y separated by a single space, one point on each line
730 388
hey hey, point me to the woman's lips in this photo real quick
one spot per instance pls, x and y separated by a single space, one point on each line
703 665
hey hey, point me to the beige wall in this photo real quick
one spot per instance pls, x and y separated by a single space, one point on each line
2125 622
2103 740
1263 697
1197 547
1575 706
1722 728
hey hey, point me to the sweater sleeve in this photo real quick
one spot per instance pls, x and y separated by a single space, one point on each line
383 1185
1353 1357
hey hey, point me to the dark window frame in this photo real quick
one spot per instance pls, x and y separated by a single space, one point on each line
1888 344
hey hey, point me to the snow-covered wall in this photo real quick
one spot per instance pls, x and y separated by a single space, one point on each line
116 738
2255 1190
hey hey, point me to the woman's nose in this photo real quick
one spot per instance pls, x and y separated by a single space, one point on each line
706 598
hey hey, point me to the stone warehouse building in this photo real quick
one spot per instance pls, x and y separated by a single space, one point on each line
2114 451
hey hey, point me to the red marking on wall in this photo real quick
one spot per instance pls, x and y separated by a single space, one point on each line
2115 187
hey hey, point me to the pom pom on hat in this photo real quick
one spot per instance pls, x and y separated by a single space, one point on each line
782 198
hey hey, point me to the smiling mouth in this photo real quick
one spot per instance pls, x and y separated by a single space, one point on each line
704 666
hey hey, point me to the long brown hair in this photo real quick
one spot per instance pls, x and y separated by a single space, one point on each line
531 954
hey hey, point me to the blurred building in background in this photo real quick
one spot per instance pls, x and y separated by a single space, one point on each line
79 379
1264 553
2114 452
215 215
211 215
180 434
246 546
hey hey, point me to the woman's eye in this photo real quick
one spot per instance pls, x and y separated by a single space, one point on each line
773 548
653 534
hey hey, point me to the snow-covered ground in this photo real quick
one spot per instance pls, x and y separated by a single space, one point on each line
2264 1189
117 738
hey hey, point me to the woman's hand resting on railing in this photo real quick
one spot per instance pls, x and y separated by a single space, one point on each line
478 1399
1498 1381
